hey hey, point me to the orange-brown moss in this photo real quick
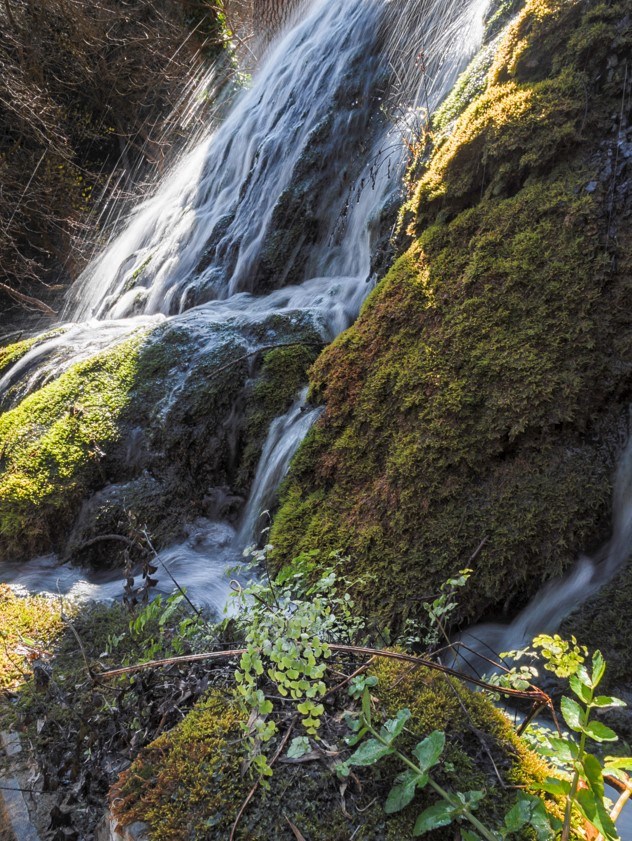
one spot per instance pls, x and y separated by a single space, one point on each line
481 392
29 626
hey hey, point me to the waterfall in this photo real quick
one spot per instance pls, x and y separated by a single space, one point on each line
558 598
286 433
275 212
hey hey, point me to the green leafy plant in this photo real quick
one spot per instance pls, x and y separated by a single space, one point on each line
430 633
453 806
288 622
584 790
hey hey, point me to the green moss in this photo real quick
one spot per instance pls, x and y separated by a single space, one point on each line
188 784
51 444
10 354
283 372
480 393
36 619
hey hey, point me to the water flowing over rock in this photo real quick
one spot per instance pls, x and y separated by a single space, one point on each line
218 292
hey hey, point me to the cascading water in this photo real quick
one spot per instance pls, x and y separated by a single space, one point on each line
274 214
558 598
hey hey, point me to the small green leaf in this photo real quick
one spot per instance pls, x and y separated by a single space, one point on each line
403 791
369 752
595 812
598 668
593 774
623 763
518 816
429 750
599 732
553 785
583 692
468 835
366 705
529 811
299 746
440 814
607 701
470 799
572 713
564 749
394 726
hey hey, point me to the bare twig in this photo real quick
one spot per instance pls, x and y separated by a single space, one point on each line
533 694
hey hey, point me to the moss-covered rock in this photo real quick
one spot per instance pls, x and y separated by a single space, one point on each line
188 784
52 444
160 428
481 393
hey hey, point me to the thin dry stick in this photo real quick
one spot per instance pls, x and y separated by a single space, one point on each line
618 806
253 790
533 694
347 680
170 574
28 299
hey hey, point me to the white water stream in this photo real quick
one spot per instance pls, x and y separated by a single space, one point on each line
312 130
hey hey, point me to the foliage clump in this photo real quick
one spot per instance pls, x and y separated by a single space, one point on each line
293 679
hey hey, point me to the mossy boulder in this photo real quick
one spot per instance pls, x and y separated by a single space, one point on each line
483 392
160 428
190 783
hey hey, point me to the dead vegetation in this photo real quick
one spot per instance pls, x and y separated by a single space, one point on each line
87 96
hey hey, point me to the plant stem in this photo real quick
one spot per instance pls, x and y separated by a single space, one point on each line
440 791
573 792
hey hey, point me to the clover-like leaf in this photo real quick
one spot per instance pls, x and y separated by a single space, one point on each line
299 746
